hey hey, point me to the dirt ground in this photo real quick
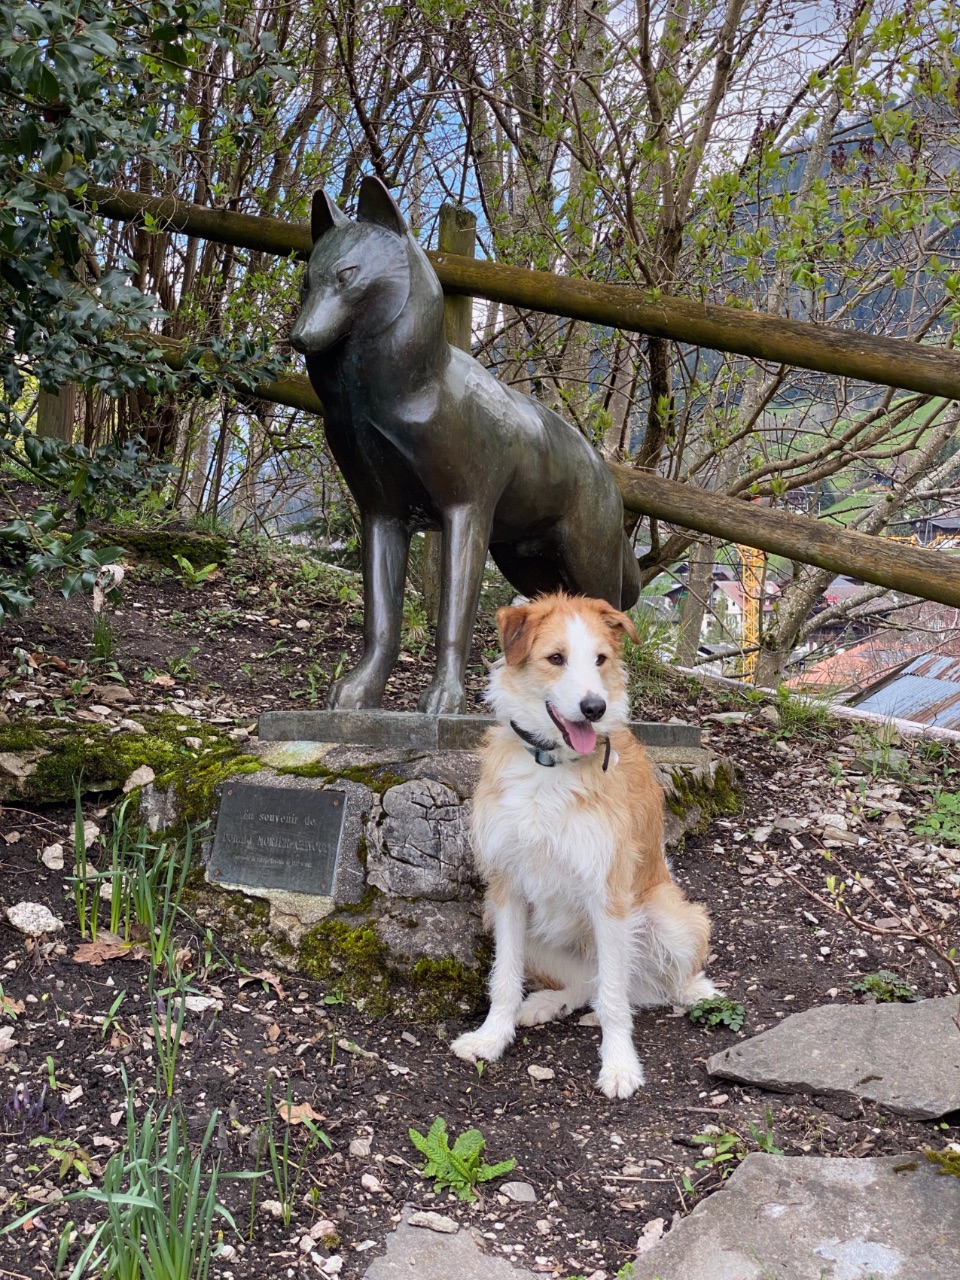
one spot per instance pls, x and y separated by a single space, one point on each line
262 634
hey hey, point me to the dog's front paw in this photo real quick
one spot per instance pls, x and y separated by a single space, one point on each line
620 1078
474 1045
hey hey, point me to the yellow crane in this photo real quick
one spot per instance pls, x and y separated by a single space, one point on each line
753 562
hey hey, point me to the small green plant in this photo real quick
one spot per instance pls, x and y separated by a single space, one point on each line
192 577
111 1017
719 1150
85 901
885 987
103 636
168 1010
460 1167
182 668
717 1011
287 1170
67 1153
800 713
941 822
764 1138
416 628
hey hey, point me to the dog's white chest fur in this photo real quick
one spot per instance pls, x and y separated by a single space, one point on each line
543 828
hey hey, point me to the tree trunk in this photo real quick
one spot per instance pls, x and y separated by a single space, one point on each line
696 602
56 413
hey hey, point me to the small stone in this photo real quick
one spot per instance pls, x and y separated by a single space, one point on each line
91 833
540 1073
360 1147
331 1266
893 822
112 694
302 624
409 1039
371 1183
7 1041
434 1222
33 919
771 715
589 1020
52 857
323 1230
131 726
650 1233
195 744
139 778
272 1208
15 766
521 1192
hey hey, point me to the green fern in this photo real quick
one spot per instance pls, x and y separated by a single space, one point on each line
459 1167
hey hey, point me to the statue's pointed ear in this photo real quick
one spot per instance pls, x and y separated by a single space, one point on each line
376 205
324 214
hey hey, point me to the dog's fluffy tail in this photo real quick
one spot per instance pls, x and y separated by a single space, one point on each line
671 941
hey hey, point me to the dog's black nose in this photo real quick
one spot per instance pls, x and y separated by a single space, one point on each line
593 707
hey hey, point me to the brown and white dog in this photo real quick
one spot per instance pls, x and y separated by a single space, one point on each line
568 835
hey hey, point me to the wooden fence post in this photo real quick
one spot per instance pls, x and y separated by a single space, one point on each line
458 234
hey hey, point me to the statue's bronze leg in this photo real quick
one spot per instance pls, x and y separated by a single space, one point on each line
466 532
386 543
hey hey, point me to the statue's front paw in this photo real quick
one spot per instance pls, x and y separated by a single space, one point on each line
443 698
353 693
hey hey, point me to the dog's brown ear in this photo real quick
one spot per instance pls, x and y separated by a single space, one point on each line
375 204
618 622
516 633
324 215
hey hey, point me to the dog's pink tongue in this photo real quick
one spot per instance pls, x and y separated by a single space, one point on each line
583 736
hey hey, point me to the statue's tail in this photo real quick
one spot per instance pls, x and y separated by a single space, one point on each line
630 576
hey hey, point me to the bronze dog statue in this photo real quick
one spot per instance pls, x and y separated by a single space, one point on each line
427 438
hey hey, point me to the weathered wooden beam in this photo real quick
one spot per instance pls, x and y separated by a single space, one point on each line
932 575
892 362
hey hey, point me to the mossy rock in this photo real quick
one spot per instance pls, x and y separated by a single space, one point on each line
696 798
57 757
163 545
356 957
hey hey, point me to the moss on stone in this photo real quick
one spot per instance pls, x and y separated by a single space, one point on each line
714 797
164 545
446 988
375 776
353 958
97 758
947 1162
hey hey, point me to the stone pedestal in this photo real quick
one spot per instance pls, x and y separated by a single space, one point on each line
402 926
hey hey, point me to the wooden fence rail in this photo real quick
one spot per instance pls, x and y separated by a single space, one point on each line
932 575
891 362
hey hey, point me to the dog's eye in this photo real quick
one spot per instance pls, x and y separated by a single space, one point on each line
345 274
601 659
557 659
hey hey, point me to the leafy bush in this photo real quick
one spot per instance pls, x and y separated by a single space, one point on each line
53 538
459 1167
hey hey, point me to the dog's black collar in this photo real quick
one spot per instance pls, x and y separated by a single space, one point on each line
542 749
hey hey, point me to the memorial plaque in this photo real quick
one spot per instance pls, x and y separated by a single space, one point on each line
278 838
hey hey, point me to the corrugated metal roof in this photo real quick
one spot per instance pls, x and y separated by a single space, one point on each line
927 691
